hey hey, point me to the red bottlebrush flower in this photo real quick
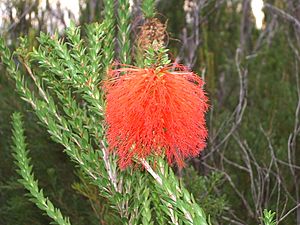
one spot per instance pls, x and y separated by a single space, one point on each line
155 111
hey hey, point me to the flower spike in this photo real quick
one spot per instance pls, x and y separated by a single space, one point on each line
155 111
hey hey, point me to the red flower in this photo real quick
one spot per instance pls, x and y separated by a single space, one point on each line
155 111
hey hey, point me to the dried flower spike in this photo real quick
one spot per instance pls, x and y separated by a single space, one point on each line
152 30
155 112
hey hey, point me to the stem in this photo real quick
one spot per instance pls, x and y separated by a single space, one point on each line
171 194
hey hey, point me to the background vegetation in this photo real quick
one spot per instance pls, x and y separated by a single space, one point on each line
252 76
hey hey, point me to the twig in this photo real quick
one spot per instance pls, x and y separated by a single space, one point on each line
112 176
152 172
232 221
42 92
289 212
26 11
283 14
238 113
172 195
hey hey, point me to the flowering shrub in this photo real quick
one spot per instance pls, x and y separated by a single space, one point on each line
167 117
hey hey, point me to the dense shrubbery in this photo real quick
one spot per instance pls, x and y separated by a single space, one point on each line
251 75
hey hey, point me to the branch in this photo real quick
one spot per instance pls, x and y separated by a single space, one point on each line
283 14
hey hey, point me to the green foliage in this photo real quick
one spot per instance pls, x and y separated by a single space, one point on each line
186 208
46 156
148 8
156 56
124 31
109 45
69 130
268 218
60 79
69 103
25 171
203 190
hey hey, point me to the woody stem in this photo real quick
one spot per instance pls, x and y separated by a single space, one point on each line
171 195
